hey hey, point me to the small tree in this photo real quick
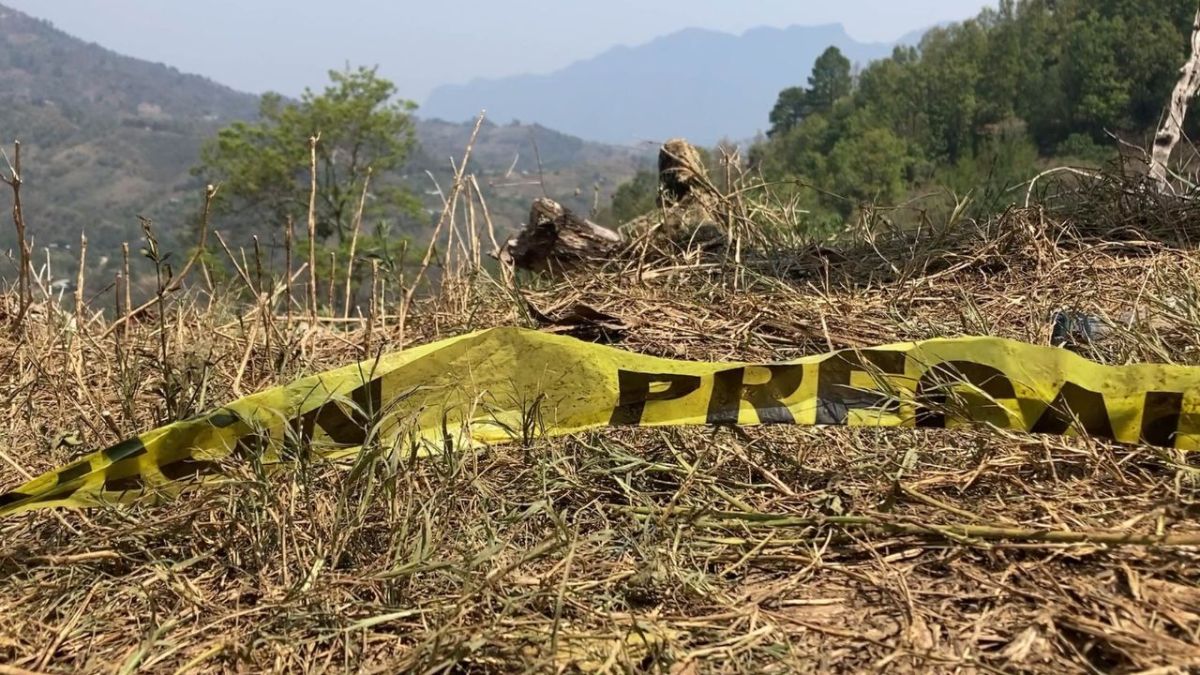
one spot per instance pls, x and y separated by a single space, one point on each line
264 166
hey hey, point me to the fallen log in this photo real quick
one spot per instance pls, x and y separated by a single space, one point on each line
556 238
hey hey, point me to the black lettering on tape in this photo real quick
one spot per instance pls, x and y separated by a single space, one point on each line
77 470
836 397
10 498
125 450
369 398
1076 406
124 484
223 419
635 393
931 390
54 495
1161 412
729 390
298 438
344 428
189 467
250 448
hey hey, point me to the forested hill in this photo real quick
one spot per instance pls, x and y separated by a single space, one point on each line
106 138
982 105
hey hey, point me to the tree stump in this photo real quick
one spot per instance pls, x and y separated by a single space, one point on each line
556 238
681 173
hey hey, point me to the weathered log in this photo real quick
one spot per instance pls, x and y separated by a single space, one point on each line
556 238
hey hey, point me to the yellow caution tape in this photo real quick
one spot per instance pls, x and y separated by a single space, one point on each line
506 384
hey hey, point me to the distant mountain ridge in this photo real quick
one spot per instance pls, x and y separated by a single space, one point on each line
702 84
107 138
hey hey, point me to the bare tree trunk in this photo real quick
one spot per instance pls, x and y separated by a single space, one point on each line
1171 129
312 227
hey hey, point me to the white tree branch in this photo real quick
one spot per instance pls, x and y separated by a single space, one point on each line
1171 129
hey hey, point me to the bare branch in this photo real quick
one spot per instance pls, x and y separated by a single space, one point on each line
1171 129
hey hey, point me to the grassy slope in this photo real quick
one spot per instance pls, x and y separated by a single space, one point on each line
627 549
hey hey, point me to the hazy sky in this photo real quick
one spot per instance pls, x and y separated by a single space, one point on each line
285 45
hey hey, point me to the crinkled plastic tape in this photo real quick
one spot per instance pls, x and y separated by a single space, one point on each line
505 383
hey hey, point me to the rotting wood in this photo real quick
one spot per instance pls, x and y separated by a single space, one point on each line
555 238
580 321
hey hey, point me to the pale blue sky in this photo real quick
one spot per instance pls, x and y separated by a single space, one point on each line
285 45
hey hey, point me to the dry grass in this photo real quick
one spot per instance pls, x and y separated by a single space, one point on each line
690 550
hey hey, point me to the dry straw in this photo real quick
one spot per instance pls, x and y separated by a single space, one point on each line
696 550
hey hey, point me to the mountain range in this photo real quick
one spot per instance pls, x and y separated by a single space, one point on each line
107 138
701 84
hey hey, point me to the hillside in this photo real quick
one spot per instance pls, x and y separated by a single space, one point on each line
982 106
701 84
107 138
506 158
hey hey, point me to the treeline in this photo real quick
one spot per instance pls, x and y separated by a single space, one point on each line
978 107
981 105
